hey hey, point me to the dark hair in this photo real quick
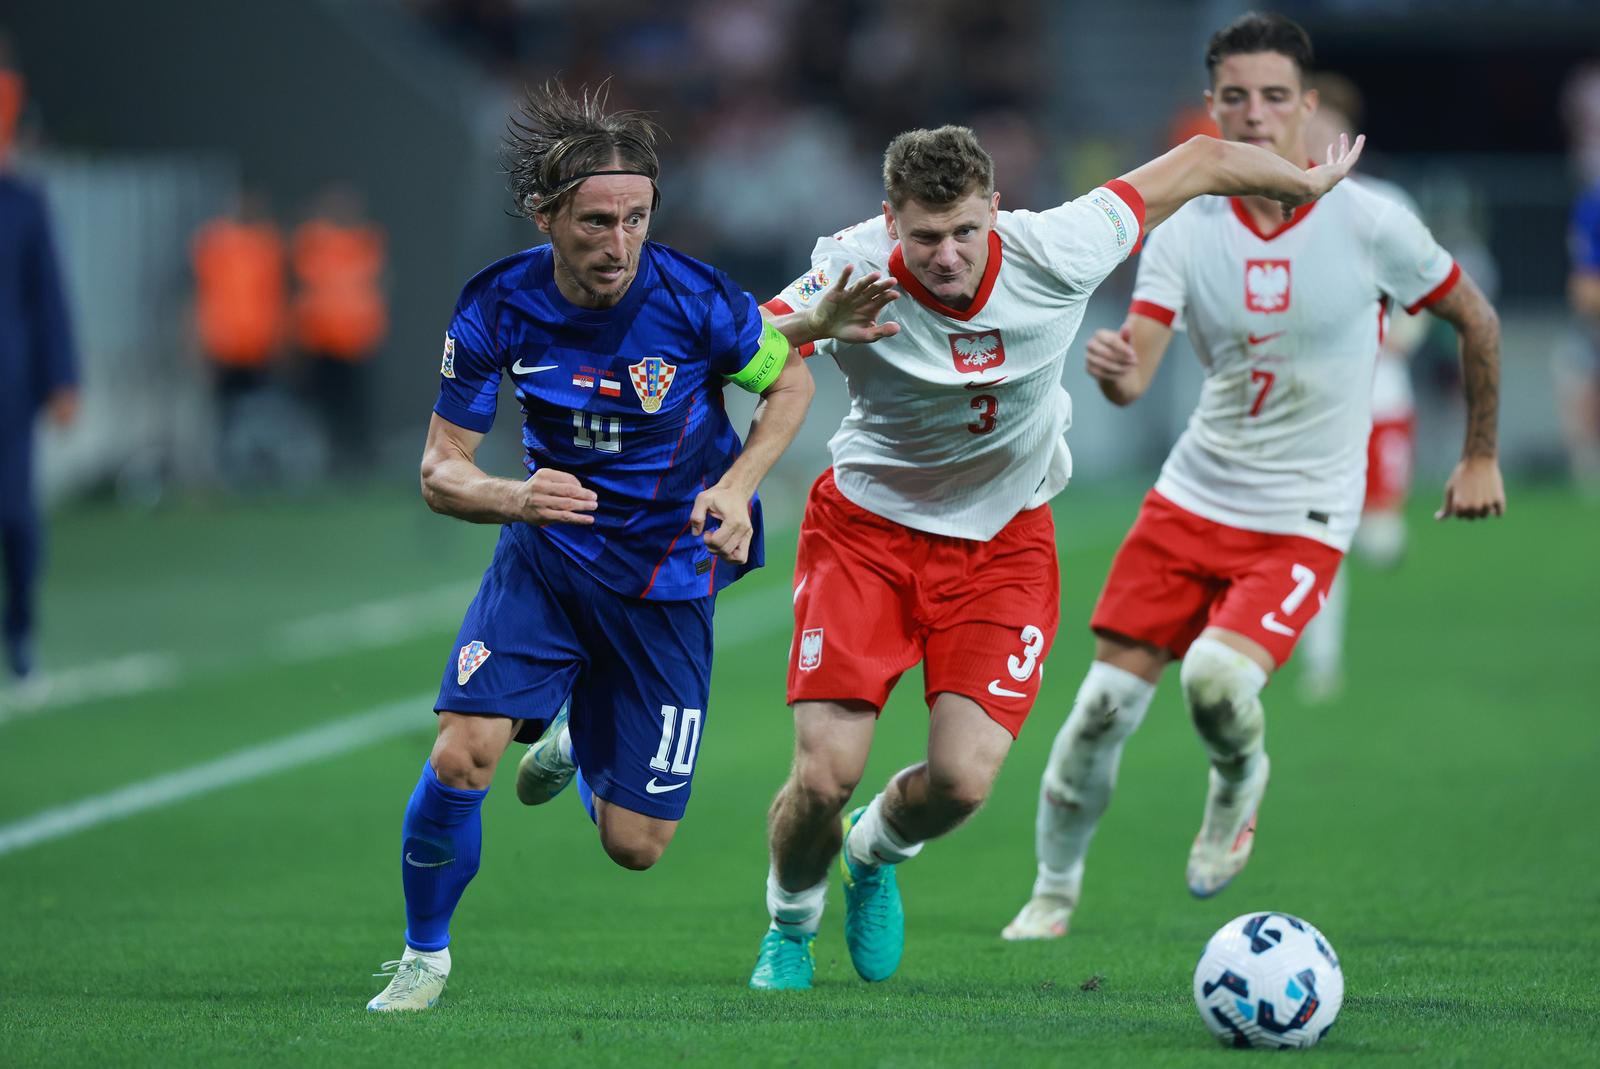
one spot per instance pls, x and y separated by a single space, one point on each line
1257 32
936 167
555 140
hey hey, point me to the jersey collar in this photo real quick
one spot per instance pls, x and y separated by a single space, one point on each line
991 271
1243 215
1249 222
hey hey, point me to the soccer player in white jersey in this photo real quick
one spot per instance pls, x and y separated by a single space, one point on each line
1234 548
929 539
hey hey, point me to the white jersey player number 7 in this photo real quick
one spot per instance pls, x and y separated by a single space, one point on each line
1286 324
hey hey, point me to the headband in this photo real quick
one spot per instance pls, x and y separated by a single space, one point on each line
573 181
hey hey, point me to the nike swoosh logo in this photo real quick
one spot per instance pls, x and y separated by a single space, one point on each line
426 864
518 369
1270 622
662 788
1258 339
983 385
1000 692
801 587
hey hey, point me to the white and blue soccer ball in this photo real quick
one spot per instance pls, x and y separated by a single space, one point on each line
1268 980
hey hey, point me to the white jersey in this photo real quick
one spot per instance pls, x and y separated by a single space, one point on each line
956 422
1287 328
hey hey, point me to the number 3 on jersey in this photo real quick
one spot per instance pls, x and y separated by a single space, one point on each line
987 406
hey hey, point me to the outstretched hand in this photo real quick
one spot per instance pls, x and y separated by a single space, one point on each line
849 311
1325 175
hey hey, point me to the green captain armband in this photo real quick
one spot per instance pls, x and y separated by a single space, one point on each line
764 367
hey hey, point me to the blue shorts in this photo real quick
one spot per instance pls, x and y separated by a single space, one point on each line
638 673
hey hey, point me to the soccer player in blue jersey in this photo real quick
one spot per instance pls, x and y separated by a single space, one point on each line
639 507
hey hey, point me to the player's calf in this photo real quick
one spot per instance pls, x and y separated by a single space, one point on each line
1222 688
1075 791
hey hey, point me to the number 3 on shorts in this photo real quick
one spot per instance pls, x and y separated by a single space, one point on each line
1021 669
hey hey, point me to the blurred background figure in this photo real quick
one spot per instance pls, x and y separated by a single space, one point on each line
1391 448
1578 366
38 370
241 314
340 318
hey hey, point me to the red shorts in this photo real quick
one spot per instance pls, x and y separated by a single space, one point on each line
873 597
1389 453
1177 574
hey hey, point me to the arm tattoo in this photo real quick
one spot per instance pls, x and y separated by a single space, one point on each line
1478 329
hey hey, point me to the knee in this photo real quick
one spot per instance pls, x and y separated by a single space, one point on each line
460 766
959 792
1220 686
634 848
817 786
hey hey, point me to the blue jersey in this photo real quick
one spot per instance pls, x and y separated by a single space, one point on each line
628 399
1584 235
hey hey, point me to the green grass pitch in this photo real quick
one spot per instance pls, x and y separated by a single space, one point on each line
1437 822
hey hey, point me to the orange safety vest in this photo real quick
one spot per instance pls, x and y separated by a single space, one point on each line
340 309
241 295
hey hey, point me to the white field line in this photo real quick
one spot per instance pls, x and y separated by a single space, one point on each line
743 623
241 766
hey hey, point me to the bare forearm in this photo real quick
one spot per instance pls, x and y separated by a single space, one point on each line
777 420
1467 310
1234 169
455 486
1480 379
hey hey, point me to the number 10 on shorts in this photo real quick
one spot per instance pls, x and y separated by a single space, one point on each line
687 731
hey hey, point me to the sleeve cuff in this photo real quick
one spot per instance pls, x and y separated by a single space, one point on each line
1132 198
463 417
1439 292
1151 310
780 307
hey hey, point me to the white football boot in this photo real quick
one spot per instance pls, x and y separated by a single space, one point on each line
1227 833
1049 912
416 982
547 767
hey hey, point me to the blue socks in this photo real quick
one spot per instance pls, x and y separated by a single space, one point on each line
441 841
586 796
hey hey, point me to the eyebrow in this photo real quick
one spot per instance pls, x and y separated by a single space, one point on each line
607 213
1230 87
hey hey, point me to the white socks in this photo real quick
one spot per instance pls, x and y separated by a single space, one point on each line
872 842
1082 770
1222 687
439 960
795 912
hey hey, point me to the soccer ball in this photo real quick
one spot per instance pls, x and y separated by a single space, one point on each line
1268 980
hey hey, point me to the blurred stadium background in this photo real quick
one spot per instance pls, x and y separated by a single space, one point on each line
195 610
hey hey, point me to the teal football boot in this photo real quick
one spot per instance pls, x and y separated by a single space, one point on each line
874 920
785 963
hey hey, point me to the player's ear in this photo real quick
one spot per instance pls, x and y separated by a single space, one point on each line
888 220
1311 100
994 207
1211 105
